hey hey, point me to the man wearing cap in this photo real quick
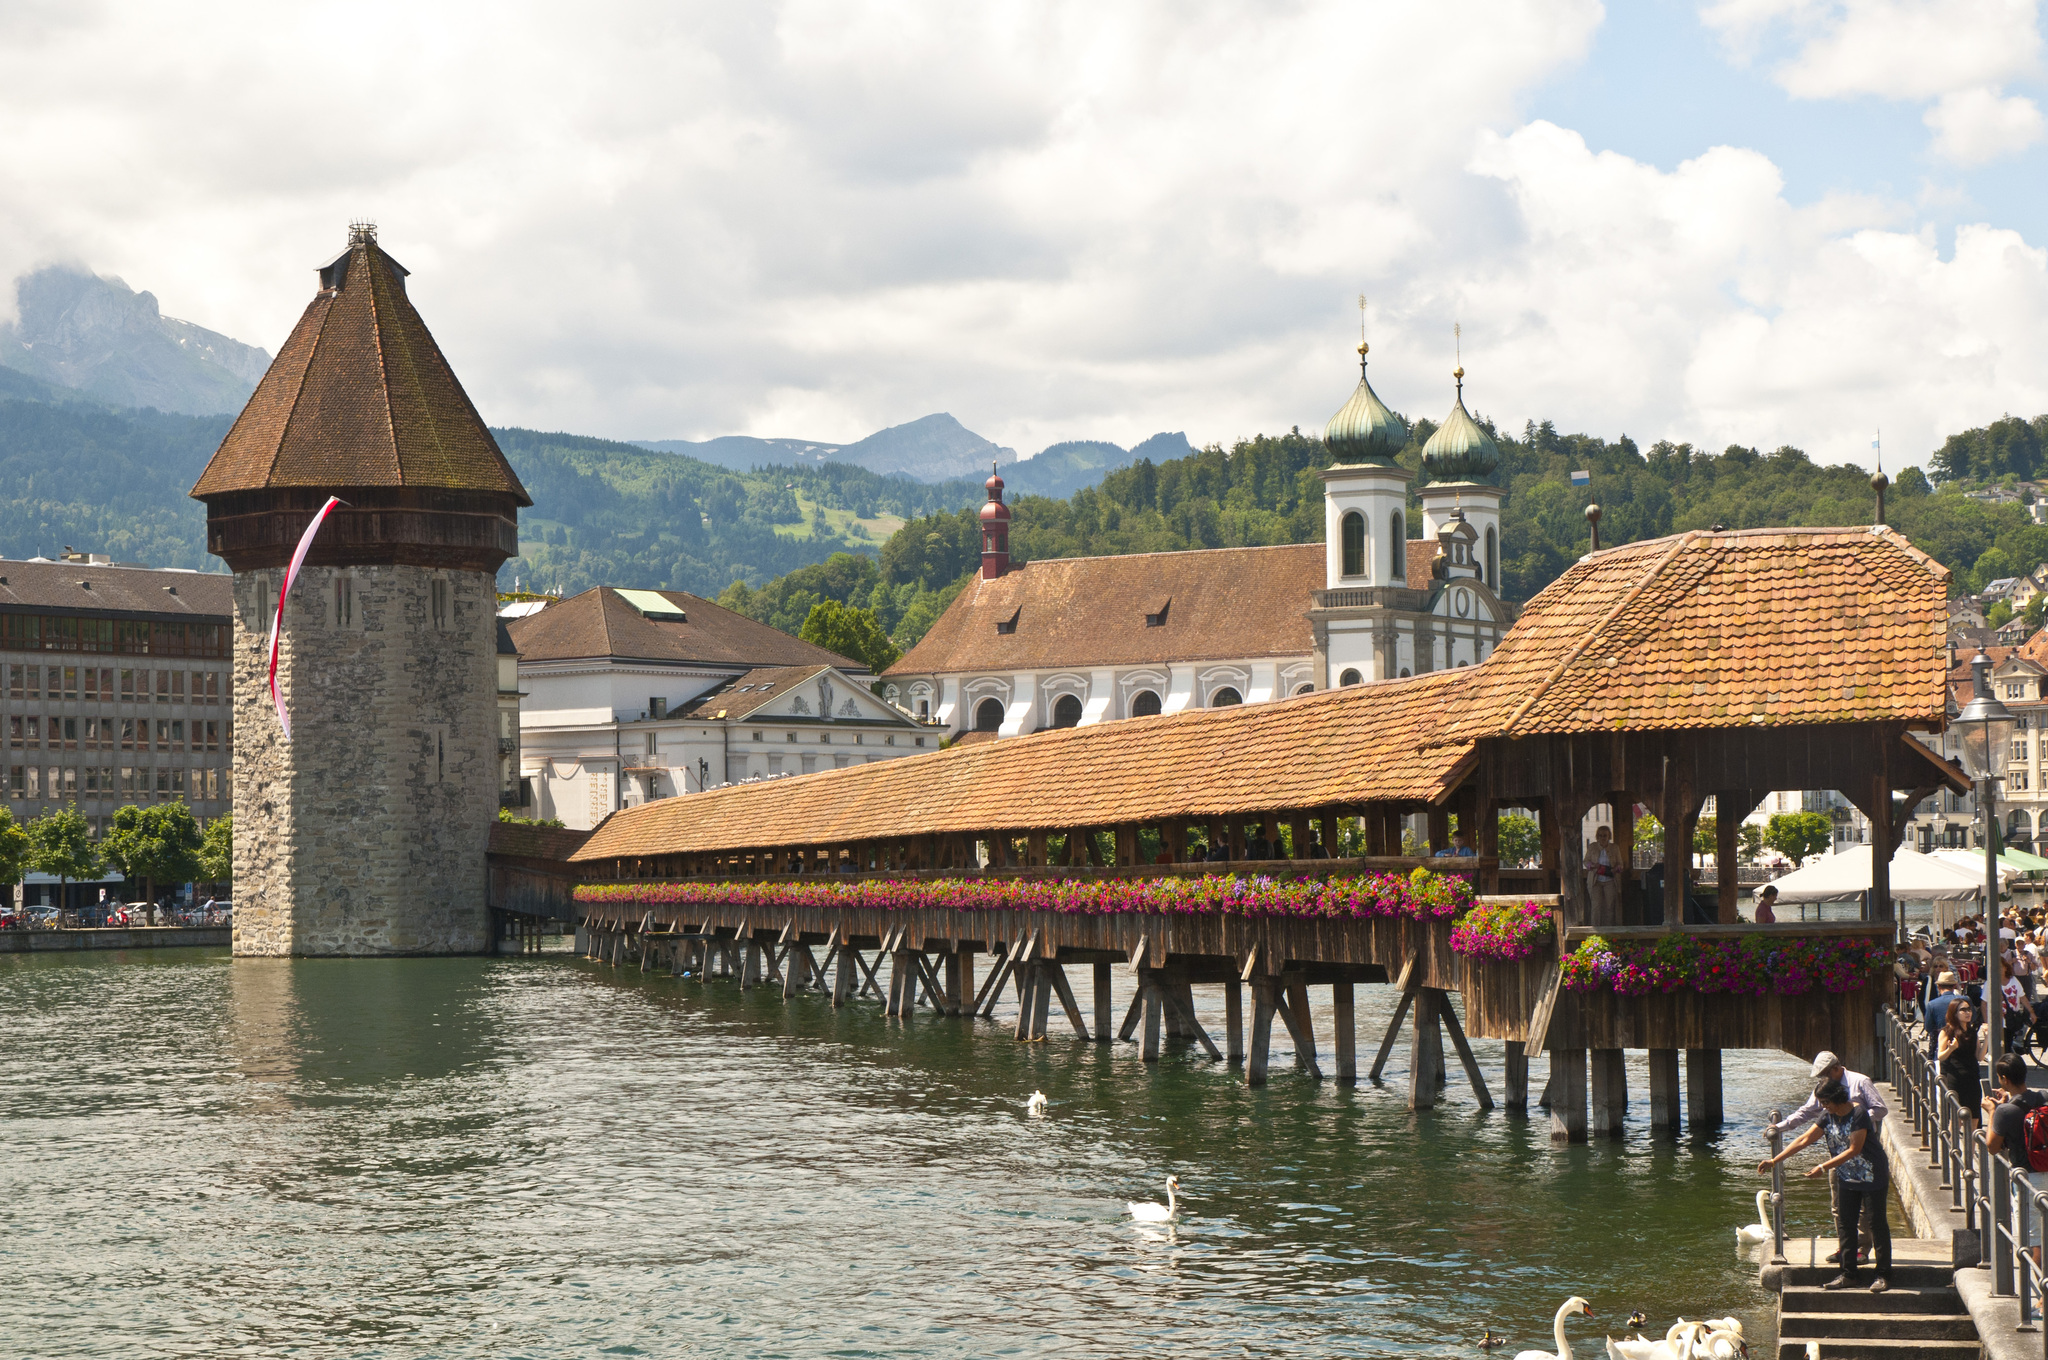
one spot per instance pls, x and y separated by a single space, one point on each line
1862 1091
1946 987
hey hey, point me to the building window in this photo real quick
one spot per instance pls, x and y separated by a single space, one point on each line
1350 677
1492 559
344 601
1225 697
988 715
1397 546
924 709
1067 711
1353 527
1145 703
1305 689
920 741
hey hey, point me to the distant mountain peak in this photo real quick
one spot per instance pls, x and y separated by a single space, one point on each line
95 334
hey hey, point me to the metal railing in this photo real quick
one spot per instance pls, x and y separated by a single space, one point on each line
1999 1203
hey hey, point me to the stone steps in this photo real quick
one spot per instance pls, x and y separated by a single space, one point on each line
1922 1314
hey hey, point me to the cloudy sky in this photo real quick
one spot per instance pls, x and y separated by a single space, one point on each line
1765 221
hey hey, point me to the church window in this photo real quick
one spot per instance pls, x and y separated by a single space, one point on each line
1305 689
1404 672
1397 542
1144 704
1354 544
1492 559
1067 712
1225 697
1350 677
988 715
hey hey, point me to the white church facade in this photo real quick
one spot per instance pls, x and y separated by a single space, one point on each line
1070 641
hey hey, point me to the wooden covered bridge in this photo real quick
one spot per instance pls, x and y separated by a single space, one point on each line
1709 663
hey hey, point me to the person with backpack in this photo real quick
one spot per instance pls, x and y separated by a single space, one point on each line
2018 1116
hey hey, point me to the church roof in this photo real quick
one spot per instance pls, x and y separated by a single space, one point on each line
1218 604
674 627
360 396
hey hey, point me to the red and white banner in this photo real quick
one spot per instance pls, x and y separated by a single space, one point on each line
291 574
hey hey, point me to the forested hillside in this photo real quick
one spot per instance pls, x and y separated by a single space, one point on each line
1265 490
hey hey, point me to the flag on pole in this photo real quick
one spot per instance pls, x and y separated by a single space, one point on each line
291 574
1582 477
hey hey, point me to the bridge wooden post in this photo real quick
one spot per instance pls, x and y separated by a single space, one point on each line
845 974
1727 826
1041 997
1425 1051
1517 1077
1703 1088
1103 1004
1149 994
1567 1095
1233 1022
1265 1000
967 992
952 997
1344 1017
1664 1089
1609 1090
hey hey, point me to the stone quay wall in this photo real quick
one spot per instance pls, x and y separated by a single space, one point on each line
364 832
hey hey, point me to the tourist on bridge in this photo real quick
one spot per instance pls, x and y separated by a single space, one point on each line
1827 1069
1960 1051
2007 1107
1947 988
1767 905
1460 847
1862 1176
1603 875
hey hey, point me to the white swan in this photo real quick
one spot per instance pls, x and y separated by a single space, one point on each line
1574 1304
1749 1234
1036 1105
1676 1345
1719 1344
1152 1211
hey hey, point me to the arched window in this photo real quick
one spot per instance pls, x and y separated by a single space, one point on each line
1353 527
1350 677
1397 546
1067 712
924 709
1144 704
1404 672
1225 697
1305 689
988 715
1492 559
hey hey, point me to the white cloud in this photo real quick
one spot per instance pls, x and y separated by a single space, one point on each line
1979 125
1053 220
1955 54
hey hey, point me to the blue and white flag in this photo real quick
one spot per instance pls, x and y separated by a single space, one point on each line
1582 477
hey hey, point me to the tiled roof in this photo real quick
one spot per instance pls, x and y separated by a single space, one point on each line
1701 630
361 396
76 587
1294 753
1090 611
1723 629
600 623
742 694
1421 554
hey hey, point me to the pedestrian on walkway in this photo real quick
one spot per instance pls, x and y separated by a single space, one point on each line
2007 1107
1862 1090
1862 1177
1961 1054
1603 877
1767 905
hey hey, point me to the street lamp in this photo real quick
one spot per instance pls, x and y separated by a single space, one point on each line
1986 729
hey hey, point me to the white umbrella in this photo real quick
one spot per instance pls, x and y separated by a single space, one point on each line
1971 862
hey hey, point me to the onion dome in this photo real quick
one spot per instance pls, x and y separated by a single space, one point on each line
1460 451
993 508
1364 431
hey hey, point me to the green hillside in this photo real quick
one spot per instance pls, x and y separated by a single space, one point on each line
1265 490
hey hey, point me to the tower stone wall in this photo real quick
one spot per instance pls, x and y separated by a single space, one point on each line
364 832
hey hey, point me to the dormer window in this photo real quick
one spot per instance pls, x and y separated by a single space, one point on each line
1157 619
1005 627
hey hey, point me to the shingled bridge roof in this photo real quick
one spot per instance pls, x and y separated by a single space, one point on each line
1699 630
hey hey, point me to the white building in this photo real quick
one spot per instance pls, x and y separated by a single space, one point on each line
632 695
1070 641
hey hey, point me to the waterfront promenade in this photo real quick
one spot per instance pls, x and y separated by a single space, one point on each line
120 937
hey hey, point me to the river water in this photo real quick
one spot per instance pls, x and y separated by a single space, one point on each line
547 1157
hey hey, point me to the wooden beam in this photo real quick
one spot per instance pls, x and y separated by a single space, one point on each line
1471 1064
1102 1002
1302 1027
1265 1000
1407 985
1065 992
1345 1018
1184 1005
1233 1021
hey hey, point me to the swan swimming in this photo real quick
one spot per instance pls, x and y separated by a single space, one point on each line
1749 1234
1035 1107
1574 1304
1151 1211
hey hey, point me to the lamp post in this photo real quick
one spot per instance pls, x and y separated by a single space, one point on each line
1986 729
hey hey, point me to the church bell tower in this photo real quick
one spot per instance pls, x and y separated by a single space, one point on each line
363 832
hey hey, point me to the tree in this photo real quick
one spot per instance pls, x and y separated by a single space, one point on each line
60 844
1799 836
851 632
14 850
1520 838
1752 838
1650 832
1998 615
217 850
1706 836
2037 612
158 844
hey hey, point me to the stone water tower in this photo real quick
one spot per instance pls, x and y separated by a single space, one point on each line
364 832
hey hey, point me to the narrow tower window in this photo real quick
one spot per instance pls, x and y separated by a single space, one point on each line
1397 546
1354 544
1492 559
